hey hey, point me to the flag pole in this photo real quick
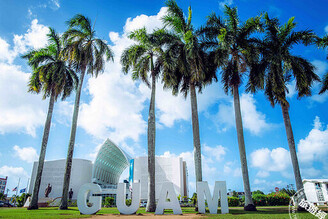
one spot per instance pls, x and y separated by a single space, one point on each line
17 191
28 179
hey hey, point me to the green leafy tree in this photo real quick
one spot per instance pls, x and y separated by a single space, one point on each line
277 67
86 54
145 59
230 39
190 68
53 77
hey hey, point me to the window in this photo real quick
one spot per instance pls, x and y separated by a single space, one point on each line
319 192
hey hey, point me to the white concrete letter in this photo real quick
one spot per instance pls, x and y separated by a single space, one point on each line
120 199
94 200
168 192
212 202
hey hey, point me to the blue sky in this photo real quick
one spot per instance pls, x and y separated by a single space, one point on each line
113 106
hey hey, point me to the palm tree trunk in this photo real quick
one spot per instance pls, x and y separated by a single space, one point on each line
195 132
37 183
249 205
291 144
67 176
151 203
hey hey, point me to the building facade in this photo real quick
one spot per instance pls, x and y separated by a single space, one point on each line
3 183
316 190
106 170
53 173
166 170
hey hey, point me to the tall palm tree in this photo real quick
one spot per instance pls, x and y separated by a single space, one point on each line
190 68
277 67
85 53
145 59
53 78
323 43
230 40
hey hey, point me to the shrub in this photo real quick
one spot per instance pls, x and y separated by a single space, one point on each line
128 202
259 199
280 198
233 201
109 201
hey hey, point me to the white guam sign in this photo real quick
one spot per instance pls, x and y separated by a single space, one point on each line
167 198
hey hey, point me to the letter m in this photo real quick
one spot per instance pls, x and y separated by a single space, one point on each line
220 189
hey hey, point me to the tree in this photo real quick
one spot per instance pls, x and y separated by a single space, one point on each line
277 67
190 68
323 43
85 53
145 59
53 77
230 39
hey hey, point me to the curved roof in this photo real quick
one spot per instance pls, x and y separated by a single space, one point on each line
110 162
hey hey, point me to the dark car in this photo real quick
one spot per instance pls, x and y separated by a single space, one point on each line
5 204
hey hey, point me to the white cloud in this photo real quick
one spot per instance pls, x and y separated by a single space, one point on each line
322 68
277 159
253 120
291 89
36 38
326 29
313 148
27 154
55 4
20 111
6 55
262 174
218 152
225 2
13 171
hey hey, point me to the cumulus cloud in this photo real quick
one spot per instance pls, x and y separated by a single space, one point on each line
20 111
266 160
313 148
253 120
218 152
36 38
27 154
326 29
13 171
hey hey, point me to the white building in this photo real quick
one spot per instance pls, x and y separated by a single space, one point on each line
108 166
316 190
53 173
166 170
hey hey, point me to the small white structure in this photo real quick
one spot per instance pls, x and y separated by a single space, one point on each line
172 169
316 190
53 173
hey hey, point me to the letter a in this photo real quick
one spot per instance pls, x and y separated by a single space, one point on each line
168 192
212 202
120 201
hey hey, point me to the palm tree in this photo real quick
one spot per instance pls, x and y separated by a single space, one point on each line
189 68
53 78
145 59
323 43
86 53
276 69
230 40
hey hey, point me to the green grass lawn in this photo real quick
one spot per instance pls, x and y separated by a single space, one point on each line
234 212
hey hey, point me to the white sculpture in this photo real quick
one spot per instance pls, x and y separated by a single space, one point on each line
82 197
168 192
212 202
120 198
